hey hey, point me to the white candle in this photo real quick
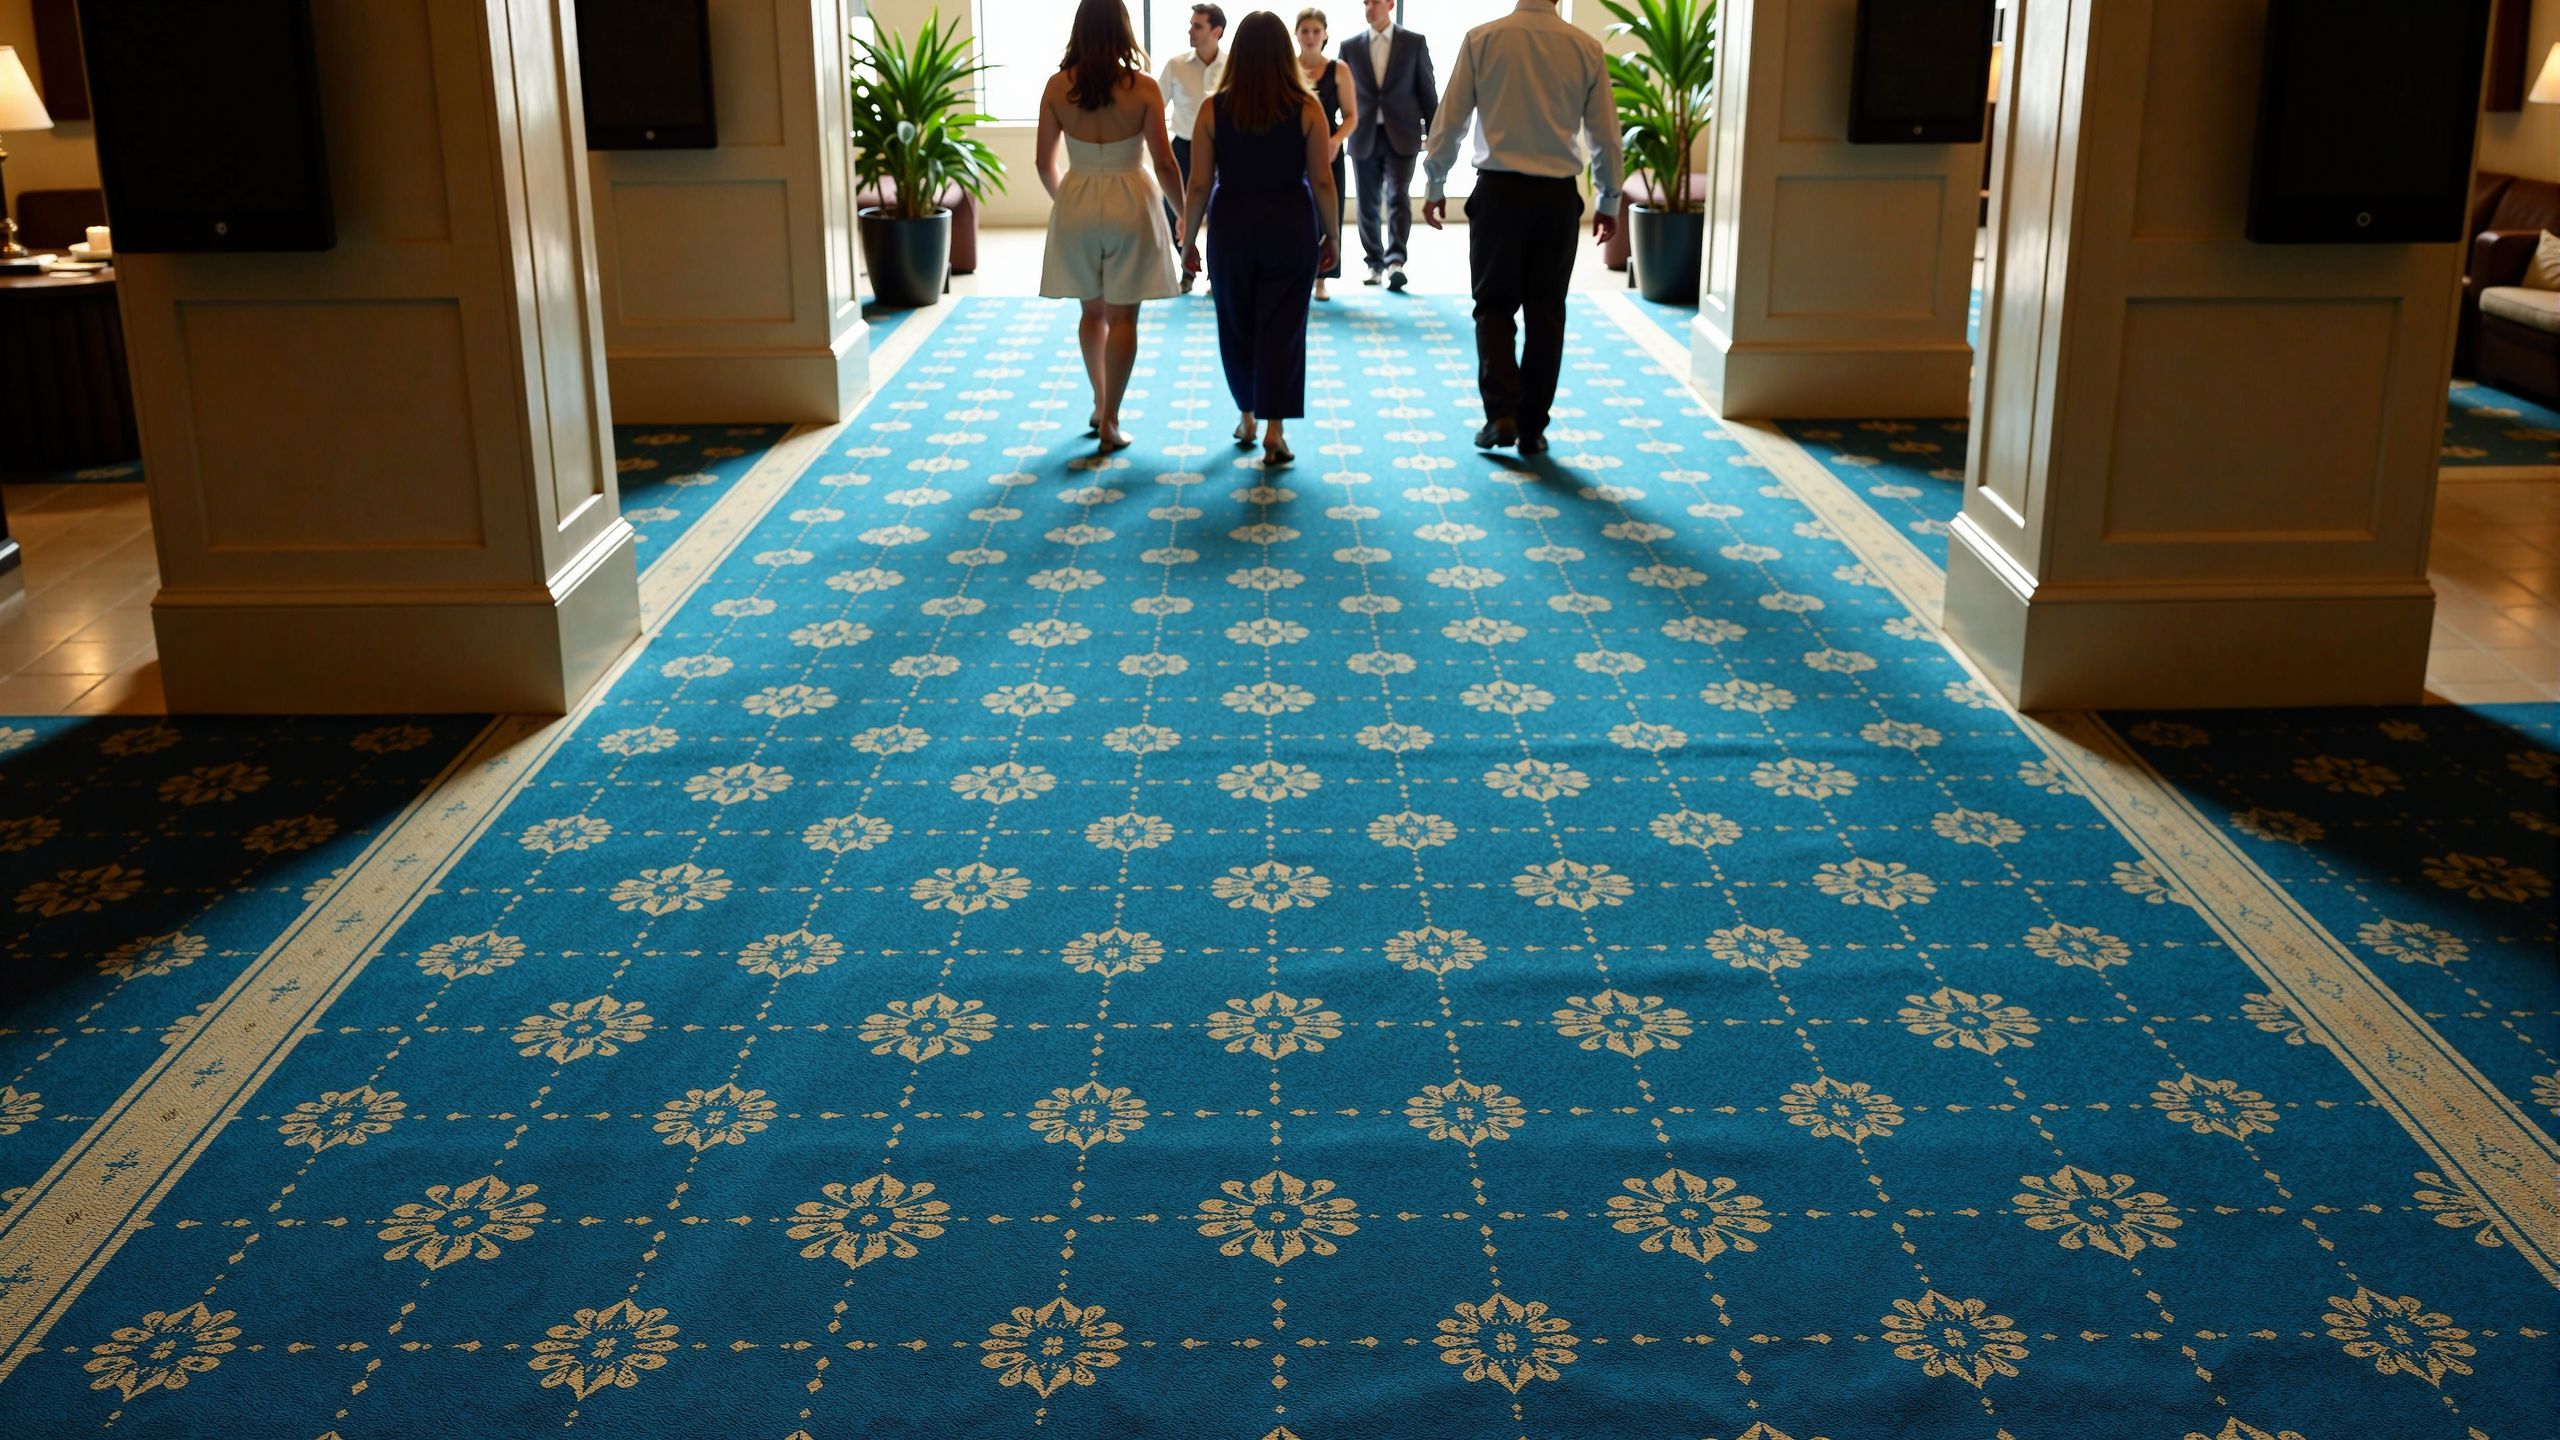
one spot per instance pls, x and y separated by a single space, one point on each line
100 240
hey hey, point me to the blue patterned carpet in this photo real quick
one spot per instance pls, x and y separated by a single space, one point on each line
2482 426
1409 946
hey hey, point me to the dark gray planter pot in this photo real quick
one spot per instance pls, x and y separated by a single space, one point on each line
1666 250
909 260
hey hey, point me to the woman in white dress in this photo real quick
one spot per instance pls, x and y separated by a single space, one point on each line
1108 242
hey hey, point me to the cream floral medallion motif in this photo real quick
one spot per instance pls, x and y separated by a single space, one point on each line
928 1026
800 952
1057 1345
343 1117
1434 951
163 1351
863 1221
153 955
2487 877
2400 1336
2413 944
1504 1341
1957 1338
1271 887
1981 1023
1695 829
462 1222
2081 945
465 956
1275 1026
79 892
1112 952
672 889
2215 1107
970 888
1465 1112
1749 947
566 834
1278 1218
2457 1206
2103 1212
19 1109
1630 1025
1887 885
607 1349
707 1119
1843 1110
576 1029
1090 1114
1696 1217
1572 885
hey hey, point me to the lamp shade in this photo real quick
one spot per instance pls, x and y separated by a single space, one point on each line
21 108
2546 89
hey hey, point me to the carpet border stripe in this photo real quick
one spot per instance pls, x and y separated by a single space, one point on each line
104 1187
2456 1115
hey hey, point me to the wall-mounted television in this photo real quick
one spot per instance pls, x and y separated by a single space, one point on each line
645 67
208 124
2366 114
1921 72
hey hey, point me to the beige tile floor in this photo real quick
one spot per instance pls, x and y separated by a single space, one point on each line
79 640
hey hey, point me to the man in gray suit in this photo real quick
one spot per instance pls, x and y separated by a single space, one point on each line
1391 77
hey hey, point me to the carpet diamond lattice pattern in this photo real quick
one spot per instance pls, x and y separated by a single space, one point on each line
1412 945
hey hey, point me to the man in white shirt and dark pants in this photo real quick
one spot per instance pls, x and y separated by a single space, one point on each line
1535 87
1188 80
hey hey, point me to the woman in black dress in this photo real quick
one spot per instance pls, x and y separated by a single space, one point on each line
1341 112
1259 177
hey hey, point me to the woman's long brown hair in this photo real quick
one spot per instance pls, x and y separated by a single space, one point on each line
1263 85
1102 51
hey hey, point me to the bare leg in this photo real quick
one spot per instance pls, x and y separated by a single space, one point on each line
1119 357
1091 330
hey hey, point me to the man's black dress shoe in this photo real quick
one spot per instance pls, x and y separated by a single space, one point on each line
1497 434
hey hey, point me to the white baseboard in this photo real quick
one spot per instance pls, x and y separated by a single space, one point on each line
2166 647
741 387
1814 381
478 650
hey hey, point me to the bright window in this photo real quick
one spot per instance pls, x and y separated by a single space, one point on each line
1024 39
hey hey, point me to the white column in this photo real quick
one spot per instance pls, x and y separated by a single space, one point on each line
382 477
728 274
1837 276
2201 470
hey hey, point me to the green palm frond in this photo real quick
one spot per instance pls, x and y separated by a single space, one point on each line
912 110
1665 88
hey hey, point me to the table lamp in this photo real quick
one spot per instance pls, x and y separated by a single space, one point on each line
2546 88
21 108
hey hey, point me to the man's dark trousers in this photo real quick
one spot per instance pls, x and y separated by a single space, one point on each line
1520 237
1173 203
1385 180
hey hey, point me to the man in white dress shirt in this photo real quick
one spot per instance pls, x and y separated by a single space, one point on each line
1188 80
1536 87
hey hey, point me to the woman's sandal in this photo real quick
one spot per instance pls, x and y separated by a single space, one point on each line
1275 454
1244 431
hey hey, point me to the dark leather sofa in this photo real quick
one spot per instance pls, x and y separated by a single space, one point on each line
2513 351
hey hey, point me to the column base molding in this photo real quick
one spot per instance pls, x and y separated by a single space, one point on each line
1817 381
741 387
431 650
2134 646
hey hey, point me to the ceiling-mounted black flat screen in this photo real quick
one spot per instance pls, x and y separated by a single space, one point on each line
208 124
2366 114
1921 73
645 66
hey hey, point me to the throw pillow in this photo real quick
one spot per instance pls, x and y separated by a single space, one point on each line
2544 272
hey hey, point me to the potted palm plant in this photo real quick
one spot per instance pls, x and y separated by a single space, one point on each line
913 104
1665 92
